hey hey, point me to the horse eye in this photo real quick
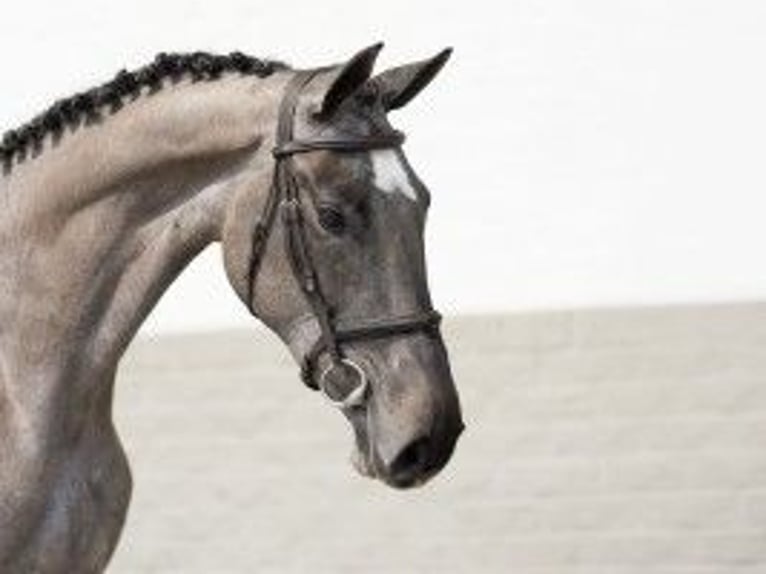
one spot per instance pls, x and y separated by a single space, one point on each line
332 220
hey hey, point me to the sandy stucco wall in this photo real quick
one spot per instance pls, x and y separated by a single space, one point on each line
609 442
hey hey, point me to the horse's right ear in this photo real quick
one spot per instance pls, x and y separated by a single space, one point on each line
398 86
352 75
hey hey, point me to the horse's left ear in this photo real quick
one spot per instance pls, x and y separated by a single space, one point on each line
349 78
398 86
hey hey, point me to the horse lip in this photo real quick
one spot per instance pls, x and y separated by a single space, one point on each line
412 482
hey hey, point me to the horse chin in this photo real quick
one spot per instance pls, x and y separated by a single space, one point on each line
362 464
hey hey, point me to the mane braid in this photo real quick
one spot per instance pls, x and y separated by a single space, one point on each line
82 108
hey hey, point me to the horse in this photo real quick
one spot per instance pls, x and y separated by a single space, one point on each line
107 196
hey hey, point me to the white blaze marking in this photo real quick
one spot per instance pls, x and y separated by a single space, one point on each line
390 174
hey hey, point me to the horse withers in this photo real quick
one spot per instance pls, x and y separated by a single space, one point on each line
300 176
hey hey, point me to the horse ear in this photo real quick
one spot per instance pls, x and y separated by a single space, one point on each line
398 86
352 75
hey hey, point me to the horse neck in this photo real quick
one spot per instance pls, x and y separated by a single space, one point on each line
90 239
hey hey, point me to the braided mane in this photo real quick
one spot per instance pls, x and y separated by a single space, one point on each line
81 108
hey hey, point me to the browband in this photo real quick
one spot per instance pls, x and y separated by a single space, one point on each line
382 141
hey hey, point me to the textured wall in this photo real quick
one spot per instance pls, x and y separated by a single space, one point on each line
619 442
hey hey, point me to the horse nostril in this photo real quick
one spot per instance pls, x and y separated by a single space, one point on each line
409 464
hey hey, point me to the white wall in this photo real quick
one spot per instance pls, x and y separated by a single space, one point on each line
607 442
609 152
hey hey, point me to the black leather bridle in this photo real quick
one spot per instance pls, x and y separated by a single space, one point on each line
284 196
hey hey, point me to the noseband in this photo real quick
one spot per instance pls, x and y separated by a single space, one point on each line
284 196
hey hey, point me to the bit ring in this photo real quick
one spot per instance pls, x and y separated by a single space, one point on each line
357 396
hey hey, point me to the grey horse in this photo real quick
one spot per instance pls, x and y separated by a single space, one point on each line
108 195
